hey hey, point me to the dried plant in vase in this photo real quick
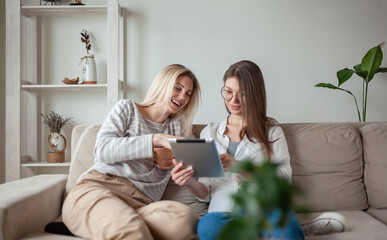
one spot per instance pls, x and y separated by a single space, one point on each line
56 141
86 39
89 70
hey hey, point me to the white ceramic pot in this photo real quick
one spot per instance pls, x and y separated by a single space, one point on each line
89 70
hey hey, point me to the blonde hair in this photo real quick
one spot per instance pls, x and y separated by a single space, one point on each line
162 86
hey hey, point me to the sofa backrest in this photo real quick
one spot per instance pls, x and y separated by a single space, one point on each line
375 157
326 159
327 165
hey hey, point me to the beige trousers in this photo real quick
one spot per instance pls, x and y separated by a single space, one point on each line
109 207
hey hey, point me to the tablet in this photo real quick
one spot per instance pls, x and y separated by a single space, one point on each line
200 153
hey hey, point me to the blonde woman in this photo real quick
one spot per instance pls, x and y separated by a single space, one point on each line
117 198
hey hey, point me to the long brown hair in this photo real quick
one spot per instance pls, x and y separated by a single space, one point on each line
252 87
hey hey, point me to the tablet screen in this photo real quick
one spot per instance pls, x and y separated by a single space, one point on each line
201 154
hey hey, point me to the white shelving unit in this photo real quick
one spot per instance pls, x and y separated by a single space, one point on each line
20 17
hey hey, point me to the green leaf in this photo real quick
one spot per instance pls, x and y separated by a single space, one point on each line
344 74
359 72
371 62
239 228
357 68
331 86
381 70
362 74
255 200
243 166
326 85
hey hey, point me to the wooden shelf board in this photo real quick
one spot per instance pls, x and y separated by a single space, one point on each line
63 10
63 86
45 164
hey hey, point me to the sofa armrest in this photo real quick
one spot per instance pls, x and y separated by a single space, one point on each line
29 204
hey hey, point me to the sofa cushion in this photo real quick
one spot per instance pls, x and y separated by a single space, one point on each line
359 225
29 204
326 160
83 156
375 157
75 135
183 195
380 214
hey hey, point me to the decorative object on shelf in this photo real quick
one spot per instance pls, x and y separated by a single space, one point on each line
51 1
77 2
56 141
89 70
369 66
70 81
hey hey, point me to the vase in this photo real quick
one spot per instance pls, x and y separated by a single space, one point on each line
89 70
55 157
57 144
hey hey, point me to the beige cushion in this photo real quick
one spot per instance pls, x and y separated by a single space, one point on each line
375 157
380 214
75 135
197 128
326 160
83 156
29 204
183 195
360 225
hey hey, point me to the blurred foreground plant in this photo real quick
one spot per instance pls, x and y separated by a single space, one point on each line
257 197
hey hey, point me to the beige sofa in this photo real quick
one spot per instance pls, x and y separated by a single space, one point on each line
338 166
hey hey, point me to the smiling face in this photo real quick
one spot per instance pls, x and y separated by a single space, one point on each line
181 94
232 88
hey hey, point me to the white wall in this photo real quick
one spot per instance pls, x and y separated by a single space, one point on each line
2 91
297 43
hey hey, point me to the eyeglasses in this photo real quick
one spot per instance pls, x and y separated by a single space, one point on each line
228 94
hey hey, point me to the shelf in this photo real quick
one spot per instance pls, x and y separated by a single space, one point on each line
45 164
63 10
62 86
23 35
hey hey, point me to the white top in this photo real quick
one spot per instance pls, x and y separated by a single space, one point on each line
124 148
221 189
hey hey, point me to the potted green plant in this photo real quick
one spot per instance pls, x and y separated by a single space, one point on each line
56 141
255 200
369 66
